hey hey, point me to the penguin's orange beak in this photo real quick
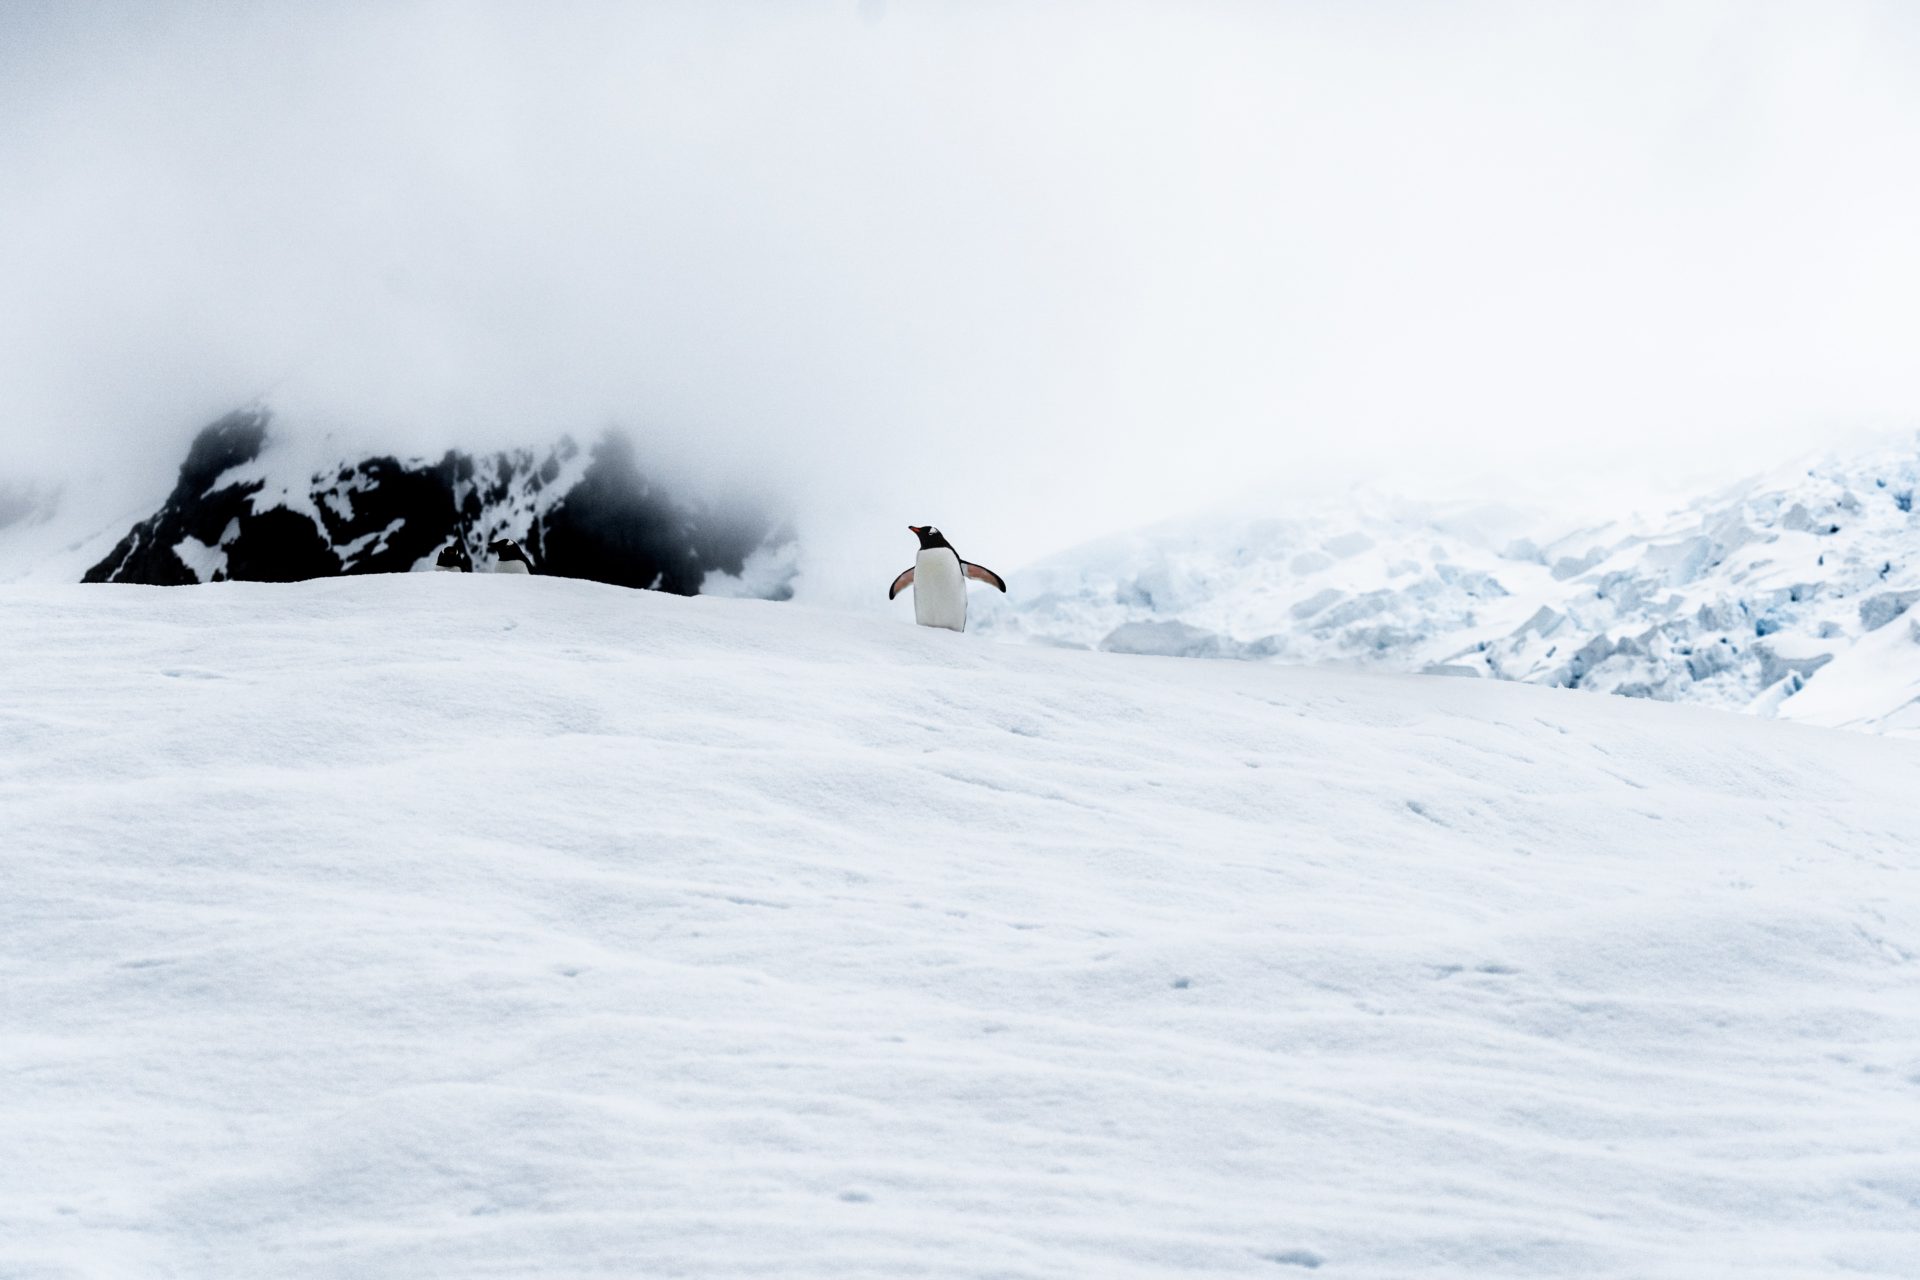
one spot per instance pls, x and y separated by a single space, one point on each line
913 528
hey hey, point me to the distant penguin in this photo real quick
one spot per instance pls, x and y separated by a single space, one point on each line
939 581
509 558
454 559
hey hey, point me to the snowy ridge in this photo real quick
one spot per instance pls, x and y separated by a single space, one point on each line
1738 601
455 925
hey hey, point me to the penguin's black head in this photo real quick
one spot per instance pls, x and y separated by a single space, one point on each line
508 549
454 556
929 536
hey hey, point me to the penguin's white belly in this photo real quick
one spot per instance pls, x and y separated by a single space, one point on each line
510 566
939 590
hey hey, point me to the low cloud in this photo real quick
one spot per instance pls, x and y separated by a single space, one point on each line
1033 273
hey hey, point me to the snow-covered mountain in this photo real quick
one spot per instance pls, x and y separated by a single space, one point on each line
1749 599
247 506
445 925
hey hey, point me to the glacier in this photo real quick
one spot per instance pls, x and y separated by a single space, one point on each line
1747 598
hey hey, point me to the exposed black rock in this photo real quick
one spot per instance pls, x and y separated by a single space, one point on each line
604 521
279 545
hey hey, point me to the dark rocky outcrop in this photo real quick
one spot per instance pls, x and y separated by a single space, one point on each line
614 526
233 515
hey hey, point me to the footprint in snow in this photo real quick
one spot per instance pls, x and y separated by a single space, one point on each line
1295 1258
1421 810
1444 971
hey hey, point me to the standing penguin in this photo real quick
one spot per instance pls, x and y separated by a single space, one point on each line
939 581
508 557
453 559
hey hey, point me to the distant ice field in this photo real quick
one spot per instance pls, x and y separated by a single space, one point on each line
1792 594
440 925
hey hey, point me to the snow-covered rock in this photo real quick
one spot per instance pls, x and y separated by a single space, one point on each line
248 508
1741 600
446 925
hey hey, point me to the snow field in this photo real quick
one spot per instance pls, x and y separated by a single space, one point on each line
447 925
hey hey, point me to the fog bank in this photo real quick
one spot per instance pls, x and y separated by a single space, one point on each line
1031 274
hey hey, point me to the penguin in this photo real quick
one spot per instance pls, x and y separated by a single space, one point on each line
939 581
508 557
454 559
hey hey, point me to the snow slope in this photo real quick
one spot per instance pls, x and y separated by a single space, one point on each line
1739 600
449 926
55 533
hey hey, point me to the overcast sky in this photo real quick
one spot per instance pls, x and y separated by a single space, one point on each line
1033 272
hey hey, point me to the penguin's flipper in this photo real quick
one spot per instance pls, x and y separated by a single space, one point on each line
980 573
901 583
